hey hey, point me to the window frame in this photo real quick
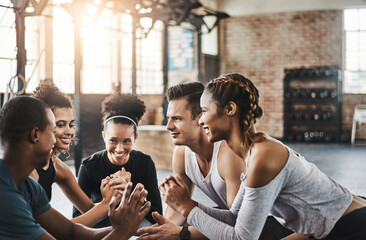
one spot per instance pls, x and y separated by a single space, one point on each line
346 89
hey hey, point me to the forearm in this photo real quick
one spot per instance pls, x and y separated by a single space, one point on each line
222 215
76 195
82 232
93 216
210 227
174 216
296 236
116 235
195 234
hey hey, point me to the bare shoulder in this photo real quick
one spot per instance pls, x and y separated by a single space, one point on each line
178 159
179 165
63 172
266 160
229 164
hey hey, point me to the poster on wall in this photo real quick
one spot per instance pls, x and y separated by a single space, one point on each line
180 49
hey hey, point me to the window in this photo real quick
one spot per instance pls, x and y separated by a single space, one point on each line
106 51
8 63
355 51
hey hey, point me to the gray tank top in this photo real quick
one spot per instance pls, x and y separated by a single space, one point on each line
308 200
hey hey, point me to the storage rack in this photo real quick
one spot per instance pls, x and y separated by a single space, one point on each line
313 104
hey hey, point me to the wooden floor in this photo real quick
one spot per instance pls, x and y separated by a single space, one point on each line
346 164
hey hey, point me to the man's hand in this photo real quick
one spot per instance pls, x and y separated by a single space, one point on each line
127 217
163 229
176 194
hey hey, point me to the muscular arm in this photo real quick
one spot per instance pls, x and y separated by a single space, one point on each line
67 182
178 168
178 164
230 167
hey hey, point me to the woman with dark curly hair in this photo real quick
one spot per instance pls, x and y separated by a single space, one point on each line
54 170
121 113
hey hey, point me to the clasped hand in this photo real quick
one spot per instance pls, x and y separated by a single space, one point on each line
176 194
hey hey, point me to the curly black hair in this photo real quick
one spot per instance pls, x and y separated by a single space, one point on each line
125 104
48 93
52 96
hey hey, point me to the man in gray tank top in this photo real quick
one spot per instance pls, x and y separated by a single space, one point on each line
202 164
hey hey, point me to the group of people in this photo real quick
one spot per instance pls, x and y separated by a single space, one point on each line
262 188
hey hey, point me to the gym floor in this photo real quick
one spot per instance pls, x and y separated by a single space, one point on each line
346 164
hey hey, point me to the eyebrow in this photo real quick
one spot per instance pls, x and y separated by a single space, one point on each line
114 138
65 121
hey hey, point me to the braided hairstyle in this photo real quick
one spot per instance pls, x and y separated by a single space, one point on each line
240 90
48 93
125 104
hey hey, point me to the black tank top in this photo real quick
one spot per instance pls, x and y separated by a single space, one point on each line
46 178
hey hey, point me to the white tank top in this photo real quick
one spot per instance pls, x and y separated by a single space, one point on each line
212 185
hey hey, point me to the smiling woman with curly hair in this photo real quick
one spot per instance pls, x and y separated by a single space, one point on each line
54 170
121 113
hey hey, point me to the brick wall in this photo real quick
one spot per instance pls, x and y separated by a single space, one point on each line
261 46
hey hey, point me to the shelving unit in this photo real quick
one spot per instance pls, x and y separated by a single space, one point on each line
313 104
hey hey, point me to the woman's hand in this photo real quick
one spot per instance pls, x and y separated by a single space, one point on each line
120 179
122 174
107 190
176 194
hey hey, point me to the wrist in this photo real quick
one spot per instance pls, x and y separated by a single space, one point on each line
104 204
117 233
187 209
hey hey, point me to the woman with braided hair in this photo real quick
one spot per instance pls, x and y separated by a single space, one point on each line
121 113
56 171
276 179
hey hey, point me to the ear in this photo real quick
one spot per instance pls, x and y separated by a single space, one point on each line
34 135
136 136
231 108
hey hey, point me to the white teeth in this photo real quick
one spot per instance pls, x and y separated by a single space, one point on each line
66 140
118 155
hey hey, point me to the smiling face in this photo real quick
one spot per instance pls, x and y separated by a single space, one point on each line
65 127
182 127
119 140
215 123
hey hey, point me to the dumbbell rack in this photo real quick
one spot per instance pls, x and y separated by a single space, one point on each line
313 104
